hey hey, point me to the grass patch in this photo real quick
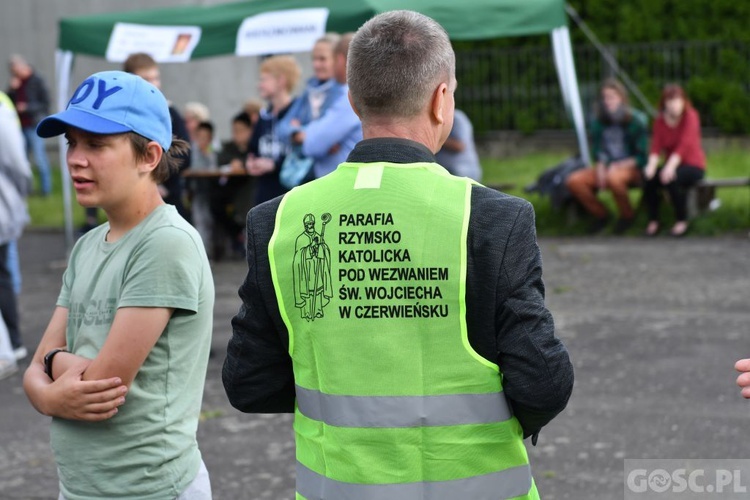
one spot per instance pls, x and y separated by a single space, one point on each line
733 216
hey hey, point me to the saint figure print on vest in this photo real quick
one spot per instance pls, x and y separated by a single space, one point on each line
312 269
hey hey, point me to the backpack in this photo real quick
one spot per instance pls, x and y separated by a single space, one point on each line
551 182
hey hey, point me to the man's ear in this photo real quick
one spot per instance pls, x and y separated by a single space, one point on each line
152 158
351 102
438 103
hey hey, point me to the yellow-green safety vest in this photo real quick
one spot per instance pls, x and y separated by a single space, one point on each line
6 101
369 269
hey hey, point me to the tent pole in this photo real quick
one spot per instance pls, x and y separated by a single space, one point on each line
610 59
562 44
560 69
63 67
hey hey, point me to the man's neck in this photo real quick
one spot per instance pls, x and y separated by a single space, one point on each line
413 131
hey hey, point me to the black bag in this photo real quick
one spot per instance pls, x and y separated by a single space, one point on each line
552 181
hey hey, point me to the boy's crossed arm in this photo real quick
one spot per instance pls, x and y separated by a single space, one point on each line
93 389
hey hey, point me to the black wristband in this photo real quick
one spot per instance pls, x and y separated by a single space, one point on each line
48 361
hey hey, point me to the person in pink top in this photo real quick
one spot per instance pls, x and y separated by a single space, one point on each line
677 138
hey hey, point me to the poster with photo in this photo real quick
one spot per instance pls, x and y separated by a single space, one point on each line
163 43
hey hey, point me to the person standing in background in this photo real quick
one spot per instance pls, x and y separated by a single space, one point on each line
15 184
145 66
202 158
31 99
321 91
271 139
459 153
330 138
232 195
322 88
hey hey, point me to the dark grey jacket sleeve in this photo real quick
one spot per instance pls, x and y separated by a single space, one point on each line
257 373
37 98
515 330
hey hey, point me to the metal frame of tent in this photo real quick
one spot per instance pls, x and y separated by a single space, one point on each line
498 14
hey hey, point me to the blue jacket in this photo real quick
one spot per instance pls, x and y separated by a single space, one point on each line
302 108
338 127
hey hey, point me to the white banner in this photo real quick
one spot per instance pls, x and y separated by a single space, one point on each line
163 43
281 31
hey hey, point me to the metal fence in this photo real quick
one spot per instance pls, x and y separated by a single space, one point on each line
517 88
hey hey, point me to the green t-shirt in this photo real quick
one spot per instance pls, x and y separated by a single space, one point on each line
149 449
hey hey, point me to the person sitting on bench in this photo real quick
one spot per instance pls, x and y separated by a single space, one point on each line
618 140
677 136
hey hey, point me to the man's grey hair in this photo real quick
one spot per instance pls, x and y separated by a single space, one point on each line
396 61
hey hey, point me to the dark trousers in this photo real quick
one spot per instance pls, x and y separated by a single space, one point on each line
685 176
222 199
8 306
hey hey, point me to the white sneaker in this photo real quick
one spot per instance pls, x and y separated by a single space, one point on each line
7 368
20 353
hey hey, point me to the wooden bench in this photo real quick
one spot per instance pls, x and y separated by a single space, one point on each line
701 196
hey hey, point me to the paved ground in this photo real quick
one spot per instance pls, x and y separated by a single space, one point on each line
654 328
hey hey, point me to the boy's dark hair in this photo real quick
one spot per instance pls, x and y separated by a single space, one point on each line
170 160
208 126
242 117
138 61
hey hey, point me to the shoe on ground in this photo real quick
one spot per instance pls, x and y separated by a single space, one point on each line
622 225
679 229
7 368
20 353
598 225
652 229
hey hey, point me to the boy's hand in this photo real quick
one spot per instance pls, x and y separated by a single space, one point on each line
72 398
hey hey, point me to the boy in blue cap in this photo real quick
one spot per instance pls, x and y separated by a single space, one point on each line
126 322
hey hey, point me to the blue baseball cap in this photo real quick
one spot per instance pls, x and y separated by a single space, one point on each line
114 102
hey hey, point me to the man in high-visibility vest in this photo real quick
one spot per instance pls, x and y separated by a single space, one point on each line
426 354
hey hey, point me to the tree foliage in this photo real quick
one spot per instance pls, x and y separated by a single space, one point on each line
702 44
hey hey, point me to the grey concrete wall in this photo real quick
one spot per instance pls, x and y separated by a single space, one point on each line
31 28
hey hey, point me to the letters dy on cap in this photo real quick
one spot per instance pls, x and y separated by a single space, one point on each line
114 102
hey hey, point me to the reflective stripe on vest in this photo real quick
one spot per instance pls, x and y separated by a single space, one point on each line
402 411
508 483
